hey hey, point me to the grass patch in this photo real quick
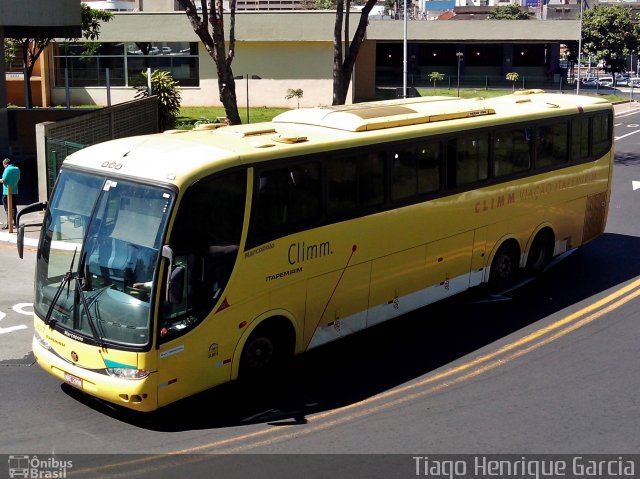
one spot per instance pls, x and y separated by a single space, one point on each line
189 115
481 92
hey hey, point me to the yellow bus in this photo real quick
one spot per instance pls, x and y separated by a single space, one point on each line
171 263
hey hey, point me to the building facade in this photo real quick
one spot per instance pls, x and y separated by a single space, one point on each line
294 50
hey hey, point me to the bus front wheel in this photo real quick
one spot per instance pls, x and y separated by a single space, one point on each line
504 267
266 351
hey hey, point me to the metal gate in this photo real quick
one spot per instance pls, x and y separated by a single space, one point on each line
57 151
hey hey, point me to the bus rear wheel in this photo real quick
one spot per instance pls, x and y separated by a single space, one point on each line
540 252
504 267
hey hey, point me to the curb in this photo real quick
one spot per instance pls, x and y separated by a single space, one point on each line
13 238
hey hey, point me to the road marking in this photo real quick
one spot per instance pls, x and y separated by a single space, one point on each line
627 113
404 394
20 308
624 136
635 185
10 329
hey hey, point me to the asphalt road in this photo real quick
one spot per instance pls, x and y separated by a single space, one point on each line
550 367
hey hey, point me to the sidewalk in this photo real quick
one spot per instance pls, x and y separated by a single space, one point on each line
31 231
626 107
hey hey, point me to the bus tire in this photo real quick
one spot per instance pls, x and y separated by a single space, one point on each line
504 267
540 253
267 350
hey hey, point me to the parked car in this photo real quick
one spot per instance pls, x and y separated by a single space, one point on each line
622 79
605 81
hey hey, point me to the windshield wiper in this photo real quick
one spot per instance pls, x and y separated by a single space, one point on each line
78 278
79 289
68 276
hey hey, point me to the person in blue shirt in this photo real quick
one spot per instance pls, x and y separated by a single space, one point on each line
10 177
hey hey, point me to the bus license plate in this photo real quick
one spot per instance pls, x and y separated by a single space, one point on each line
73 380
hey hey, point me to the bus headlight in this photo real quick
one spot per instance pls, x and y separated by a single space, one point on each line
42 342
127 373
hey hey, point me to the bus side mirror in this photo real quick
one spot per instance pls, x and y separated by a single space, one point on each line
20 241
26 210
176 285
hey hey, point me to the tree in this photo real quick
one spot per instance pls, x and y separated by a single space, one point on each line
297 94
343 61
513 77
608 34
509 12
436 76
32 48
168 92
209 26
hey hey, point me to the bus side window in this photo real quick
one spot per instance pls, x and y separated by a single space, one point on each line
601 134
579 139
404 177
287 200
415 170
468 160
355 183
511 152
552 144
342 179
429 167
371 179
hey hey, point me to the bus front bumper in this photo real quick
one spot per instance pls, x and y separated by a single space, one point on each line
136 394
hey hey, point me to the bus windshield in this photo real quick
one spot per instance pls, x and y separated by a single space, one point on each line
108 233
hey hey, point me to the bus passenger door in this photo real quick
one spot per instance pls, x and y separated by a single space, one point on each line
479 259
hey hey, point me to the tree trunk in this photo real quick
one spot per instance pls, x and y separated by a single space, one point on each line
28 98
214 42
343 68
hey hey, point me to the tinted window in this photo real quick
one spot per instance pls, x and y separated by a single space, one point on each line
415 170
551 147
579 138
601 134
355 183
429 167
468 159
512 152
287 199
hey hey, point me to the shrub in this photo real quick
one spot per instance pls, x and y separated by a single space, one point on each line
168 92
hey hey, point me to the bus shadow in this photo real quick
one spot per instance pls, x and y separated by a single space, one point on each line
628 158
394 353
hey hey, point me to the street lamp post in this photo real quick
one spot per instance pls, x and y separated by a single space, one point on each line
580 47
404 52
246 76
248 99
459 55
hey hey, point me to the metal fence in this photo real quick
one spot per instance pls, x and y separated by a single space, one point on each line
138 117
